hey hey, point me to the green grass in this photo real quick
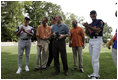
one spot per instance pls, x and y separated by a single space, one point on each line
9 65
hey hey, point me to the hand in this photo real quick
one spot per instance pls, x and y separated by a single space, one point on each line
24 30
70 44
54 34
39 45
83 46
61 36
108 46
85 24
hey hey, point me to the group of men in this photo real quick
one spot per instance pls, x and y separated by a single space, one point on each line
51 39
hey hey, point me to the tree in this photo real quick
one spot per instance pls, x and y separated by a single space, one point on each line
106 33
39 9
70 17
11 17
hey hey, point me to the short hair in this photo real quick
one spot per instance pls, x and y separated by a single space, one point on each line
46 19
59 16
93 12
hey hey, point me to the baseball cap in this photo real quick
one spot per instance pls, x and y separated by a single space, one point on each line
27 18
93 12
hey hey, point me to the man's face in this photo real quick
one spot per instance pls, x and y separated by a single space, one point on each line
93 16
52 21
44 21
58 19
74 23
26 22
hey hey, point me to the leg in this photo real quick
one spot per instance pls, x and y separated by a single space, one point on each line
56 56
114 56
95 58
45 54
20 52
50 58
80 57
74 56
27 51
62 49
37 57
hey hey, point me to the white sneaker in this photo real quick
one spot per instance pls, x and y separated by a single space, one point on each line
26 68
19 70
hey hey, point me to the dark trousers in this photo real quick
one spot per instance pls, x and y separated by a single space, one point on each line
60 47
50 58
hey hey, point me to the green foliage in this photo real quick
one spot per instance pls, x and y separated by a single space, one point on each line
39 9
107 33
70 17
11 17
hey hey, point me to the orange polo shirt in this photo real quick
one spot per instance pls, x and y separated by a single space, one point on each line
76 36
43 32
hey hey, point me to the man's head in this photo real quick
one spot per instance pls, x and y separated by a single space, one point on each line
93 15
74 23
44 20
26 20
58 18
53 20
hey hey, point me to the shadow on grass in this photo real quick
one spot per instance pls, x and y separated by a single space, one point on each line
9 67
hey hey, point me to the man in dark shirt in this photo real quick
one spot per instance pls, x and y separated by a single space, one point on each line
95 32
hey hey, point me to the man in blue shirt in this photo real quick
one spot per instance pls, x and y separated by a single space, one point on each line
95 32
60 31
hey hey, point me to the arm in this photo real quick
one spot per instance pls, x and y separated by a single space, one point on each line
111 41
19 31
92 28
31 34
83 37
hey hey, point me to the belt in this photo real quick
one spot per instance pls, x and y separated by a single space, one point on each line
95 37
24 39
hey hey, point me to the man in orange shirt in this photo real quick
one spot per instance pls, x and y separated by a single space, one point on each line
43 34
77 39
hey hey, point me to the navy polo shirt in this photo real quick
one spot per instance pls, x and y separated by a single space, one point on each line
98 24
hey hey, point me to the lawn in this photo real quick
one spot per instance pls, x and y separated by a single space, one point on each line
9 56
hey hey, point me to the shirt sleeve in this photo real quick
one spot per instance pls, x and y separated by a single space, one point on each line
82 32
101 24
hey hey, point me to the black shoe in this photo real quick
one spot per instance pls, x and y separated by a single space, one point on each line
36 69
74 69
66 73
82 70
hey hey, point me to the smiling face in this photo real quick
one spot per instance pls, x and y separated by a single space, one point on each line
93 16
26 22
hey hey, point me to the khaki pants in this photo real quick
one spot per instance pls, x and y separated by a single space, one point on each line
45 52
77 50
